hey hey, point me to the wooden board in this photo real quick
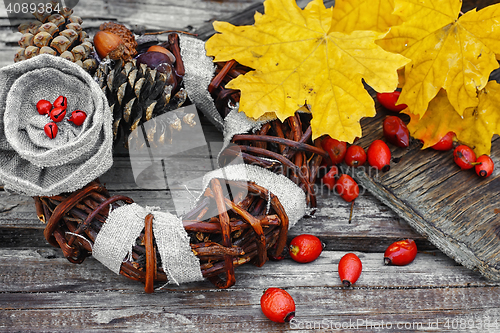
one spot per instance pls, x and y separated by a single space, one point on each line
41 291
456 210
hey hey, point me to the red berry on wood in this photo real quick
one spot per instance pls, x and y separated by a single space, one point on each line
277 305
484 167
77 117
349 269
61 101
336 149
400 253
396 132
464 157
446 142
355 156
43 106
57 114
379 155
50 130
347 188
305 248
330 178
389 100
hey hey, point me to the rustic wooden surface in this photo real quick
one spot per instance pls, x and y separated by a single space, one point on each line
456 210
40 291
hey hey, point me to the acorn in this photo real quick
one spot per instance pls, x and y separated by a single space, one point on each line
109 44
115 41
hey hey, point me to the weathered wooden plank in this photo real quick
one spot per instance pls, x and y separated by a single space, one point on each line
46 270
454 209
55 294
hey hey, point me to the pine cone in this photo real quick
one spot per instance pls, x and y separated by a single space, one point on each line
137 93
57 33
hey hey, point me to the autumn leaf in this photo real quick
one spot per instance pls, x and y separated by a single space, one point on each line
481 123
299 59
475 129
439 119
447 51
375 15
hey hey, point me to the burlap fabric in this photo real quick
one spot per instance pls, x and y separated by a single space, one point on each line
199 73
30 162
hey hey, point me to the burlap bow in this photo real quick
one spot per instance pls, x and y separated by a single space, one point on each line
30 162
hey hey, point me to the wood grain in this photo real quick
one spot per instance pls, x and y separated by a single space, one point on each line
45 292
40 291
454 209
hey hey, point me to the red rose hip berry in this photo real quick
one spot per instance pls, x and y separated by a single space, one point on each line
330 178
389 100
446 142
379 155
347 188
43 106
484 166
77 117
350 268
355 156
277 305
396 132
50 130
464 157
61 101
400 253
57 114
305 248
336 149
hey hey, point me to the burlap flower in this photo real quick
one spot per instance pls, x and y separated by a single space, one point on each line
30 162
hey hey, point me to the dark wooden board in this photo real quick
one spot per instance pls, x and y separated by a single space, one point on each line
456 210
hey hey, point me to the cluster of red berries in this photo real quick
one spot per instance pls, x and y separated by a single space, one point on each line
396 132
279 306
378 156
56 112
344 185
466 159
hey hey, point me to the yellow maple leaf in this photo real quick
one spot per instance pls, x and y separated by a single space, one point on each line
439 119
350 15
447 51
479 124
299 59
475 128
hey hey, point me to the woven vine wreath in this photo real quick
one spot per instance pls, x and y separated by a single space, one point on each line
269 193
